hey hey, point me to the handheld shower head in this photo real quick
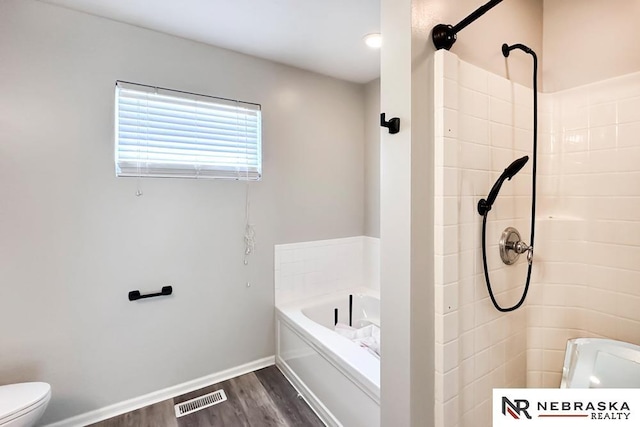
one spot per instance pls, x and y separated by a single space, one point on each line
484 205
515 167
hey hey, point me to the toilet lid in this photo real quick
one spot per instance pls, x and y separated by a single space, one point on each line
17 397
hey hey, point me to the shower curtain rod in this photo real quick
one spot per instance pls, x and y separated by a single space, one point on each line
444 35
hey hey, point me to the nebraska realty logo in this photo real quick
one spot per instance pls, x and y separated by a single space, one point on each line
566 407
515 410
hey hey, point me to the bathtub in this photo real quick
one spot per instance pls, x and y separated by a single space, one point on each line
339 379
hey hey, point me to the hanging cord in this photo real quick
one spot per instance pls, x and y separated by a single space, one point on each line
506 49
139 178
138 164
249 232
486 273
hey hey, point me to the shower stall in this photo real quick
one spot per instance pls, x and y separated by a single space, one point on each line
470 116
586 269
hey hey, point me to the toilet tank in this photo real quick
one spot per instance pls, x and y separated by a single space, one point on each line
601 363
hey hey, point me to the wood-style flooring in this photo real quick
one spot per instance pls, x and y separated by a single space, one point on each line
258 399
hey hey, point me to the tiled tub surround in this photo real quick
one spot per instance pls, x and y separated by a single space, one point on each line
309 269
483 123
588 249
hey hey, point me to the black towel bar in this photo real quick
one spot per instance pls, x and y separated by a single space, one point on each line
135 295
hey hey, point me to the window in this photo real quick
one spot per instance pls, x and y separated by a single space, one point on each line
167 133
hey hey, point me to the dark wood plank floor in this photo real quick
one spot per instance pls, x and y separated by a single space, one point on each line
258 399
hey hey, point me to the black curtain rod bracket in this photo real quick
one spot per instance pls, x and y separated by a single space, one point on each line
135 295
444 35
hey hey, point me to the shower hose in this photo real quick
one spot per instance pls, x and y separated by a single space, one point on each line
505 50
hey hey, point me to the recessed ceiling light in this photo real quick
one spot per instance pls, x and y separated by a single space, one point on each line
373 40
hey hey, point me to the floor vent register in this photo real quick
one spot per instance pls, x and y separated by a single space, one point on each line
194 405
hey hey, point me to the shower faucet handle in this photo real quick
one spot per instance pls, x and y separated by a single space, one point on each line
519 247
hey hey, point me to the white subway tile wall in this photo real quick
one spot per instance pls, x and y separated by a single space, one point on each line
309 269
588 246
485 125
586 276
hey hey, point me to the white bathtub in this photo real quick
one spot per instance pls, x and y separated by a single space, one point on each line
339 379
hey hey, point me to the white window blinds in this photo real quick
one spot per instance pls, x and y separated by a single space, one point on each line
166 133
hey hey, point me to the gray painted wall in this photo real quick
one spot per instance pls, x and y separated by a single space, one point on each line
372 158
75 239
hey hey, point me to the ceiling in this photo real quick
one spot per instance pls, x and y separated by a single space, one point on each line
324 36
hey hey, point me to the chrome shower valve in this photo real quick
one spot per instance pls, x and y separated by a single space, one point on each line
511 247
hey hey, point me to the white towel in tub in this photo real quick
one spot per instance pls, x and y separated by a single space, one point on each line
367 336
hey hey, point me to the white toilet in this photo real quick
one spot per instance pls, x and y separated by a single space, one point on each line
601 363
22 405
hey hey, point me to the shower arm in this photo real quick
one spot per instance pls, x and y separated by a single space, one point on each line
444 35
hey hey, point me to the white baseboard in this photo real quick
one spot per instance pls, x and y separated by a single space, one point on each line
160 395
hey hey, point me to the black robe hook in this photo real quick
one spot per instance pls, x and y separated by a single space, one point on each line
393 124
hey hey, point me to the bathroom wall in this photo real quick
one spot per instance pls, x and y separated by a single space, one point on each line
395 206
588 41
483 123
75 239
588 245
372 159
514 21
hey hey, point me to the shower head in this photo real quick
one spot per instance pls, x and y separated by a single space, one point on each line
515 167
484 205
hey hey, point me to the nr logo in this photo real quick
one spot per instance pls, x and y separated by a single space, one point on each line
516 409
